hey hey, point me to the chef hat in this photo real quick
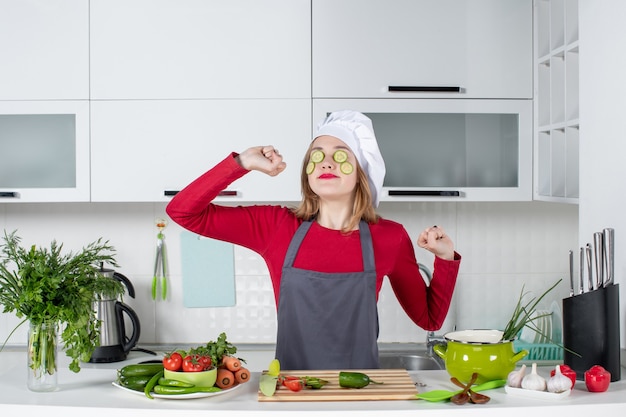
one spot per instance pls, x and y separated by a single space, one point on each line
356 130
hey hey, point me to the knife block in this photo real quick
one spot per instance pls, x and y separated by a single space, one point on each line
591 329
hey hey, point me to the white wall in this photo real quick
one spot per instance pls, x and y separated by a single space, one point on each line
602 132
504 246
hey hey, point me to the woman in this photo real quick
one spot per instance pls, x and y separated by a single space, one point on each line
328 257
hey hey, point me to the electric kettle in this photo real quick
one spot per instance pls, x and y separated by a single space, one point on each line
114 344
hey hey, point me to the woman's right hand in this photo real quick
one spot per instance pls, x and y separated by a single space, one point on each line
265 159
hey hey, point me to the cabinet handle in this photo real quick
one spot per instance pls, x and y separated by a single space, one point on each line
421 193
225 193
424 89
8 194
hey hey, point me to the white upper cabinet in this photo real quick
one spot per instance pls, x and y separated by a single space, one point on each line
44 50
428 48
146 150
194 49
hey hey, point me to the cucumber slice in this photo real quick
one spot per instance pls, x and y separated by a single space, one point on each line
317 156
310 167
340 156
346 168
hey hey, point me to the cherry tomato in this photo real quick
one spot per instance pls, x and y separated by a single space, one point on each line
568 372
205 361
173 361
597 379
294 385
191 363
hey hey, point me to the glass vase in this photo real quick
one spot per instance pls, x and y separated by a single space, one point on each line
42 357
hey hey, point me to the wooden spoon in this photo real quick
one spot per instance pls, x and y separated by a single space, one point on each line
463 396
474 396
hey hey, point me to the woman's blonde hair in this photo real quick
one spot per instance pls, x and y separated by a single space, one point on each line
362 209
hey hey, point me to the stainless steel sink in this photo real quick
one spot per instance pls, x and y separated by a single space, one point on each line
408 361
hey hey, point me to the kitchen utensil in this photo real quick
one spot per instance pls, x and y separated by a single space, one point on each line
581 272
609 255
160 263
589 268
442 395
478 351
463 396
571 273
474 397
598 244
114 345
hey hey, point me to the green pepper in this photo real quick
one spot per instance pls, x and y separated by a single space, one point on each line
355 380
313 382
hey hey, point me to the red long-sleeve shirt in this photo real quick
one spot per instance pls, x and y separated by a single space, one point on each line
268 230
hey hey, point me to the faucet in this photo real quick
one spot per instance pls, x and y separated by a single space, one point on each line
431 338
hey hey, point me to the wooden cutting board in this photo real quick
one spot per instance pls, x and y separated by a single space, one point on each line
397 385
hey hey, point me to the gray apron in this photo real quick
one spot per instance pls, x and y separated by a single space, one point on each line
328 320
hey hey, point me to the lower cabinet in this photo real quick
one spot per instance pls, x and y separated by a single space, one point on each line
145 151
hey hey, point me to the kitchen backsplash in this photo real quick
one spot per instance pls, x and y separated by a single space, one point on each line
505 246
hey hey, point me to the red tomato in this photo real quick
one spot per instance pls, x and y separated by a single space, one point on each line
191 363
205 361
294 385
568 372
597 379
173 361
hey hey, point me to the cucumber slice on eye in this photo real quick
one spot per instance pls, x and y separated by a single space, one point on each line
340 156
346 168
317 156
310 167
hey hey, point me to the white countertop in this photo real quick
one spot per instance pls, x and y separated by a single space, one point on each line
91 393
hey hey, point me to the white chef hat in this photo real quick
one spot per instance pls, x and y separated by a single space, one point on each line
356 130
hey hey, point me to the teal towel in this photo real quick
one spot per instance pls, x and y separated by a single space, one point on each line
208 271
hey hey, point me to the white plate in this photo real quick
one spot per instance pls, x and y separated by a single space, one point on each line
541 395
181 396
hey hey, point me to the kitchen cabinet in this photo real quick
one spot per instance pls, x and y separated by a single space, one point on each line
198 49
143 150
430 49
556 103
44 47
449 150
45 151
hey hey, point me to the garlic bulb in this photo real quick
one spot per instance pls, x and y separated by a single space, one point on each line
559 382
534 381
514 379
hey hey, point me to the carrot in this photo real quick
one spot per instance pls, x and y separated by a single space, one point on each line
225 378
242 375
232 363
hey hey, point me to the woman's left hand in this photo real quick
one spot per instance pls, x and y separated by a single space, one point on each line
434 239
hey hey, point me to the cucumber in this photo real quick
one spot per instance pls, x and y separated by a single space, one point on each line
317 156
140 369
346 168
340 156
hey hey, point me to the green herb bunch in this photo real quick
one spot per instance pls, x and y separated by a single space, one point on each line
524 314
46 286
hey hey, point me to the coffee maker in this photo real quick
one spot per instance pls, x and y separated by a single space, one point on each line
114 343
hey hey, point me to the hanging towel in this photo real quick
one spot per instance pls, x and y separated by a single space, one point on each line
208 271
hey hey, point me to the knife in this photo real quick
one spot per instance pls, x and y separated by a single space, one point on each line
609 255
581 273
598 244
571 273
589 268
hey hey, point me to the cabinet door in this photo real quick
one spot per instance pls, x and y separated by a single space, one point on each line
483 47
44 147
141 149
44 47
187 49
